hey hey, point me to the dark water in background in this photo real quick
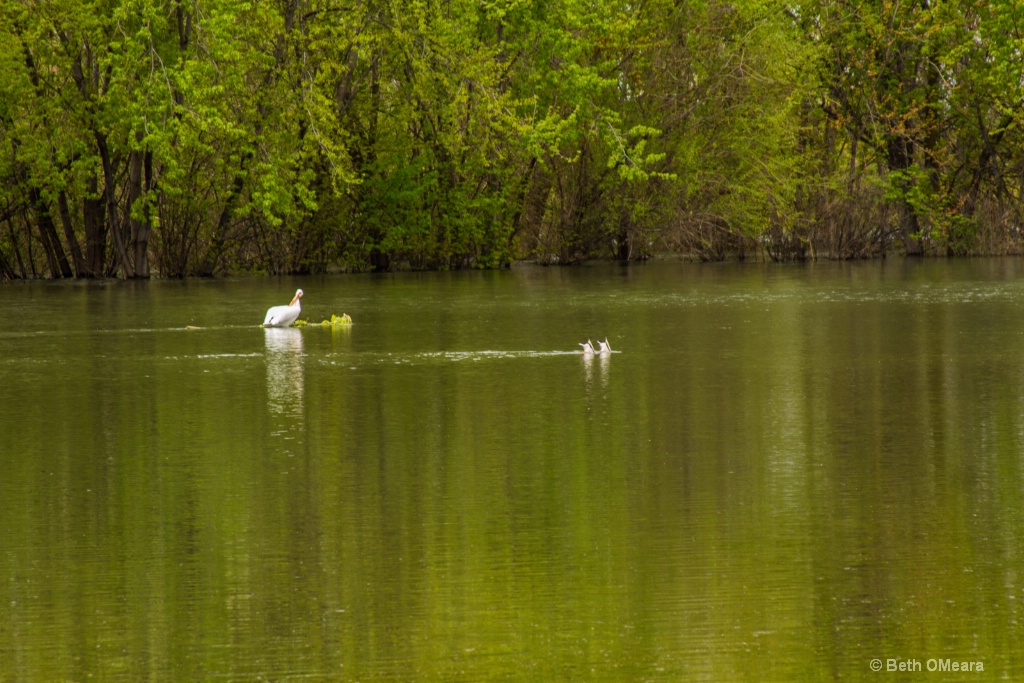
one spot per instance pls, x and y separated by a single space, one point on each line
782 473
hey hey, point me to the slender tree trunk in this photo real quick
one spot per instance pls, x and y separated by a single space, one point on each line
111 202
140 173
184 19
95 235
69 235
142 238
534 206
56 259
6 271
379 261
14 245
30 257
215 251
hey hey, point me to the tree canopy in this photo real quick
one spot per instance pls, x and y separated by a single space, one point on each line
196 137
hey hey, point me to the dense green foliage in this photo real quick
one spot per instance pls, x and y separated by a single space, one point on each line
207 136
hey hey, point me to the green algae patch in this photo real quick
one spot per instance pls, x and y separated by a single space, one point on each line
336 321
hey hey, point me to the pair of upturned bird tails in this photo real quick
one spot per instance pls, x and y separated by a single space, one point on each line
604 348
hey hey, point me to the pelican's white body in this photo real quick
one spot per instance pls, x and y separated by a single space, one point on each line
588 348
606 348
283 316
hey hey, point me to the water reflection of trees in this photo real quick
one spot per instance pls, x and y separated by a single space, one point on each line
284 370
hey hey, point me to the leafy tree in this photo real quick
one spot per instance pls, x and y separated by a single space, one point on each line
208 136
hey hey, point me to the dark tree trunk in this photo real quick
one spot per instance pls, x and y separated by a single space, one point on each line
95 233
140 174
111 203
14 245
56 259
220 235
6 273
623 246
142 239
69 235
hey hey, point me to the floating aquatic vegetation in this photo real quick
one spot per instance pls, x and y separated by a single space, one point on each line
343 320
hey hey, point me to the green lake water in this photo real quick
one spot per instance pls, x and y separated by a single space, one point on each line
782 473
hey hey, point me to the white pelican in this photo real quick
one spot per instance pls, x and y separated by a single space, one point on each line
588 348
283 316
606 348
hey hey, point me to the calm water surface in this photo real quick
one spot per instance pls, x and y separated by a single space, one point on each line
782 473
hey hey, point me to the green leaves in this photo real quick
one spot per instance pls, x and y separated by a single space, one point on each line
298 136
